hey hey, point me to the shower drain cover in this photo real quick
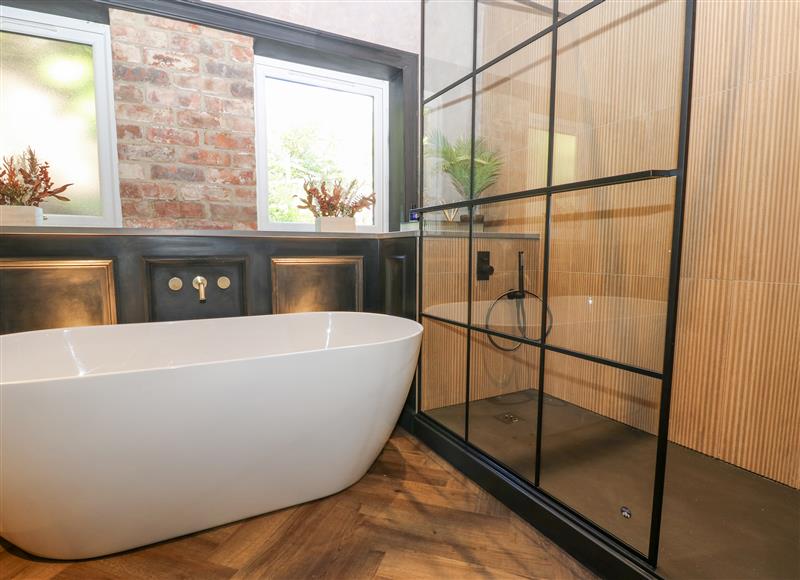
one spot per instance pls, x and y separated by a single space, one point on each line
507 418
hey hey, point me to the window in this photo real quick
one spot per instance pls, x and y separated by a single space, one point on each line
56 96
317 124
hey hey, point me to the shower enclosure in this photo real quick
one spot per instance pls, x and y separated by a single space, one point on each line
554 150
554 162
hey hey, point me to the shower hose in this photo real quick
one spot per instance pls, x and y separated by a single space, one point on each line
522 323
518 296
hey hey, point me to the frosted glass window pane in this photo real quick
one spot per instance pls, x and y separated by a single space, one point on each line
47 102
316 133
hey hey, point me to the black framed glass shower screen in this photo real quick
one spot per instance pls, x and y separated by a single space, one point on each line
553 160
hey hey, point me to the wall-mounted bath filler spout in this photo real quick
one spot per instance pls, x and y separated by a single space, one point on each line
200 284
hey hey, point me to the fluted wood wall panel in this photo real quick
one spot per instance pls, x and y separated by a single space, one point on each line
445 279
443 365
493 372
497 372
736 391
627 397
618 90
445 276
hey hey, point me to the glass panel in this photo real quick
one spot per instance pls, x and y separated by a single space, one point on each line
447 146
511 114
504 392
507 258
567 7
609 271
307 142
444 370
445 261
618 89
599 444
448 42
47 102
502 24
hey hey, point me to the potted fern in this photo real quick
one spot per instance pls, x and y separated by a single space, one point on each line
24 184
334 209
455 162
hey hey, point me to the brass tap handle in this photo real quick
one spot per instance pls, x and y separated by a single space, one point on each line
200 284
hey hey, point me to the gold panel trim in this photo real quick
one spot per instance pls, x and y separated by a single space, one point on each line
107 294
279 266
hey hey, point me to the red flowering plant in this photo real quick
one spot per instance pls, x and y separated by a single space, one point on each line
340 201
25 180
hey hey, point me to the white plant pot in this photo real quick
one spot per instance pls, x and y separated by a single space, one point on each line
335 224
20 215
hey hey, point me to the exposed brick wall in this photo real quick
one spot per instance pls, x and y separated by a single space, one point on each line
185 129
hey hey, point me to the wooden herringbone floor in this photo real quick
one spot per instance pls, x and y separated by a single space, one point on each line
412 516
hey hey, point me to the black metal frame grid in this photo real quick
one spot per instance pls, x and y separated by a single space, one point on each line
679 173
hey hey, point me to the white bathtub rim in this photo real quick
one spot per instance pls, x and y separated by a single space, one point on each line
418 329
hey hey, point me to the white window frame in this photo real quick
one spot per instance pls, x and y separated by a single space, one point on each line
270 68
99 38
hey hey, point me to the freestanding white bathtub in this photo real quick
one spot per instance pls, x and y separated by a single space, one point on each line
114 437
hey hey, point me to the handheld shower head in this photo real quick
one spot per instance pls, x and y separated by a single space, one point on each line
519 296
519 293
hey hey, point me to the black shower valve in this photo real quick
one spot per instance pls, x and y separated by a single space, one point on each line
484 269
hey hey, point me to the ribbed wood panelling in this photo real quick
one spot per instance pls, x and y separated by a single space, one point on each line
768 237
609 265
516 89
504 258
760 407
444 366
627 397
445 294
497 372
505 23
736 394
494 372
618 90
736 391
507 228
445 277
700 372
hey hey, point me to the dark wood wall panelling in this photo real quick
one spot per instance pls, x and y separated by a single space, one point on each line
317 284
39 294
135 256
398 272
183 302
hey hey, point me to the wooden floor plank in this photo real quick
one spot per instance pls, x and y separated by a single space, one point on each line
412 564
411 516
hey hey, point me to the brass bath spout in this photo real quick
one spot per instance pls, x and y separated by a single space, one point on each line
200 284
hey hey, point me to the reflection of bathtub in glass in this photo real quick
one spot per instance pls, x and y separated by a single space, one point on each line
628 330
